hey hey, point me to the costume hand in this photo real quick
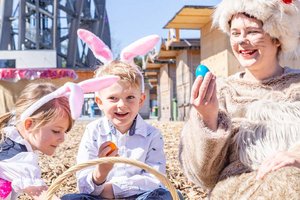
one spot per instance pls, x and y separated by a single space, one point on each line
204 99
107 192
101 171
277 161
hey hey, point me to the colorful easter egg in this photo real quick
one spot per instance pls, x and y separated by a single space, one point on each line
287 1
112 146
201 70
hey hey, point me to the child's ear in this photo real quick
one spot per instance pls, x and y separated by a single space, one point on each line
98 101
142 99
28 123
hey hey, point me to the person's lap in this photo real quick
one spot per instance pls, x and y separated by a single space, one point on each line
157 194
280 184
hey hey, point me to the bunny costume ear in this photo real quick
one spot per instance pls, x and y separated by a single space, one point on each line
100 50
75 93
139 47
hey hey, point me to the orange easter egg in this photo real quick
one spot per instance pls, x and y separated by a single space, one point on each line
112 146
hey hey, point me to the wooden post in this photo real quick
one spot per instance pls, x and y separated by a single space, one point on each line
177 35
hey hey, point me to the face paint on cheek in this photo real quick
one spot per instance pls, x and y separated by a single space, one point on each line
257 41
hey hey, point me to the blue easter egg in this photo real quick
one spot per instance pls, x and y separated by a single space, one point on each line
201 70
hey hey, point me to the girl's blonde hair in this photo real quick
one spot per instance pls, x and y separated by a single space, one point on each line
125 71
51 110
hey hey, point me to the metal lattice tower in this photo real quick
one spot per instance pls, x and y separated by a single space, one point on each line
52 24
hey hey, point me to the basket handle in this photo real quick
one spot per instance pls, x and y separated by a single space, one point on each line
162 178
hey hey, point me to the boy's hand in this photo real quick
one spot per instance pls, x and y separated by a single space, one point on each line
101 171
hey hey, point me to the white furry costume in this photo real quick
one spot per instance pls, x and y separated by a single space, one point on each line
256 119
265 119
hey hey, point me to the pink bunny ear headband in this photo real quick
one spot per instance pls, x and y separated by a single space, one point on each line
75 93
102 52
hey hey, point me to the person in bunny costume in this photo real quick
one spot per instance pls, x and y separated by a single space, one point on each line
123 126
242 139
42 117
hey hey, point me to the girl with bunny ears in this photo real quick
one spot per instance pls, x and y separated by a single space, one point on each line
122 125
42 117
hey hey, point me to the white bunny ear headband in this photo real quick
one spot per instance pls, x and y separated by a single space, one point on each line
75 91
103 53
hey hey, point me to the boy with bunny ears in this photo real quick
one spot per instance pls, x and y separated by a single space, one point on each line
122 125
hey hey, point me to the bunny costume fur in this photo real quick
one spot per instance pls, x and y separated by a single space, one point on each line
255 119
263 121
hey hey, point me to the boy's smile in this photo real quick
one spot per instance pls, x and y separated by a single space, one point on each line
121 114
121 103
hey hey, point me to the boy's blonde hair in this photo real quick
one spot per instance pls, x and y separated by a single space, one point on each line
51 110
126 72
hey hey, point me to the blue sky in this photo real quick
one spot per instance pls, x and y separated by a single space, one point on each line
132 19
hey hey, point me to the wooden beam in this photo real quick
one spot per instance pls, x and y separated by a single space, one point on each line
167 54
152 80
150 73
195 26
152 66
196 12
191 18
177 34
152 70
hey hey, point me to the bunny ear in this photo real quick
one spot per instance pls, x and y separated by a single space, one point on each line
76 99
100 50
139 47
75 93
97 84
36 105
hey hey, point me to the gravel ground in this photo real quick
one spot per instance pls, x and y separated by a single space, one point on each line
65 158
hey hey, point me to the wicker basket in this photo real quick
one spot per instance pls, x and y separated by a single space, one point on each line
56 184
